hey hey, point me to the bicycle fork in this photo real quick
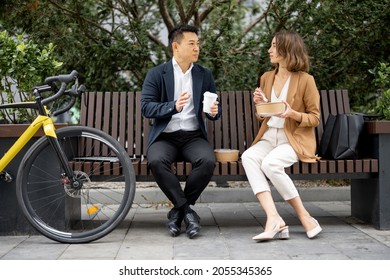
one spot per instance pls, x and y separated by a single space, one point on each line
68 176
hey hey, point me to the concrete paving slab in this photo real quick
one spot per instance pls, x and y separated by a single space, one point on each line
227 230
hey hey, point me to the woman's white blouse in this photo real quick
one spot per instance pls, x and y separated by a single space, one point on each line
276 121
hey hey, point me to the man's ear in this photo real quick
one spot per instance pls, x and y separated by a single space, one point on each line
175 45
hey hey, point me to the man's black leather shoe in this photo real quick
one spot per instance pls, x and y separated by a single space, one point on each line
192 221
175 218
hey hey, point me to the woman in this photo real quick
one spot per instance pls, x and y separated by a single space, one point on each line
285 138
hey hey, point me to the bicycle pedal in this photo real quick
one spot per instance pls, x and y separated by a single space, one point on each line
6 177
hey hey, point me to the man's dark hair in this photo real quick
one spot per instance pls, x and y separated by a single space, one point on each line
176 35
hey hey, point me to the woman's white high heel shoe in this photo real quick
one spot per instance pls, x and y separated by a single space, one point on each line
282 233
315 231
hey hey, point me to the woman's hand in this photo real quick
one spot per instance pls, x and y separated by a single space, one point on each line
259 96
290 113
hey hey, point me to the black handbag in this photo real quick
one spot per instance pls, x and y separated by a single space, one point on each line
340 139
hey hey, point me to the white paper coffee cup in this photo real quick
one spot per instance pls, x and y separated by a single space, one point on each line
208 100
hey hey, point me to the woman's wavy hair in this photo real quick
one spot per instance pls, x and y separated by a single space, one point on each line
291 46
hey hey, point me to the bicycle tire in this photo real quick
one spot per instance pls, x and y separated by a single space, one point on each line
69 215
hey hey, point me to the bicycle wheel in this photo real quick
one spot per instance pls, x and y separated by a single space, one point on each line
76 215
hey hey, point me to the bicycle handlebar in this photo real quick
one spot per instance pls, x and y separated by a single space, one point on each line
73 92
57 95
62 78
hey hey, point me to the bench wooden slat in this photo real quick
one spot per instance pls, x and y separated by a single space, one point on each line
374 166
83 107
358 166
340 166
234 168
233 128
115 115
323 166
331 166
137 166
296 168
224 168
346 104
91 111
139 128
98 113
103 106
106 112
131 111
349 166
225 120
87 146
179 167
332 102
144 168
116 169
340 102
188 167
240 121
305 168
122 119
314 168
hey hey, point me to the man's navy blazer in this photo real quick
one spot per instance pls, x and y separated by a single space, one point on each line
157 99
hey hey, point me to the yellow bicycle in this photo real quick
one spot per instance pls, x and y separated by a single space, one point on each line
57 185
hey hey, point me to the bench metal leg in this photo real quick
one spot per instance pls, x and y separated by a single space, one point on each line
370 198
220 181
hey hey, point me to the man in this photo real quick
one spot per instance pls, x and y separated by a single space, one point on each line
172 95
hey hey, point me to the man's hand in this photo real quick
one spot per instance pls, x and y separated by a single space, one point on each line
214 109
182 101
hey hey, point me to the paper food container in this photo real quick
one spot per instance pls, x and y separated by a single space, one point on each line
270 109
226 155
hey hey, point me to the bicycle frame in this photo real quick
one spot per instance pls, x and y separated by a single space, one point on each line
42 120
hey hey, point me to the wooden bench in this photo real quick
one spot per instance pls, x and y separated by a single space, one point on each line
119 114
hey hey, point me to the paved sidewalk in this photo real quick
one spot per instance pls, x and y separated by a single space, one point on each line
227 229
